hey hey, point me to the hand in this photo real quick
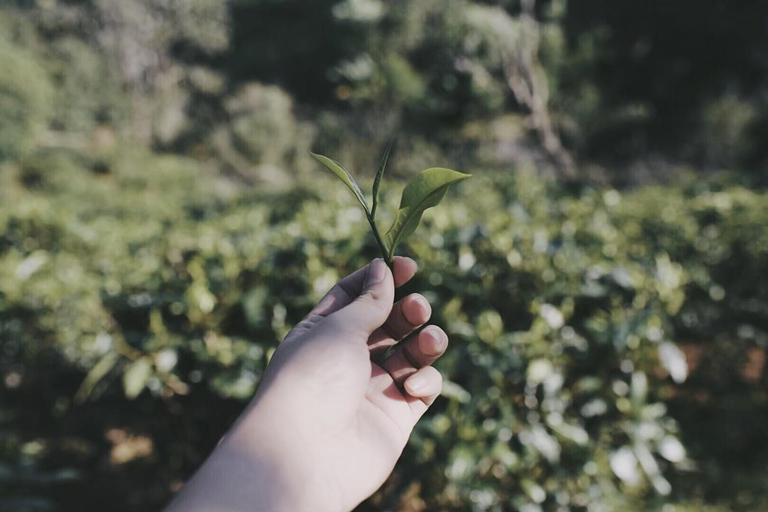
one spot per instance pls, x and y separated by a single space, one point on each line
327 424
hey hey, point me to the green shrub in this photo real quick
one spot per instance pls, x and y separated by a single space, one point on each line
87 92
25 100
262 124
563 309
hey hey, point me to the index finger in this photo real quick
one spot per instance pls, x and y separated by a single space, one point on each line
347 290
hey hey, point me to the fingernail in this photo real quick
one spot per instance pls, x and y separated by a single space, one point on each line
438 344
413 315
416 384
376 272
422 302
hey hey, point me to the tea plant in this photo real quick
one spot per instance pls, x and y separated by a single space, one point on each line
424 191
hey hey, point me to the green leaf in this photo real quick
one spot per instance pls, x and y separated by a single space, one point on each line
344 176
377 179
136 376
97 372
424 191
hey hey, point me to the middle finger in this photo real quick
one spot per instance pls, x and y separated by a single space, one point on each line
407 315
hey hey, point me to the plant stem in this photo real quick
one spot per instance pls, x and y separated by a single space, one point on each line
382 246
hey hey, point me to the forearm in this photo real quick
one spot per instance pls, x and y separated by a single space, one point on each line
253 470
237 477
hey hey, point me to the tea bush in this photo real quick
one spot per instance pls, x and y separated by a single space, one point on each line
25 99
141 298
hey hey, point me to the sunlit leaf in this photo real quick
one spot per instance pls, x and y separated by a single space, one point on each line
624 465
534 491
453 391
97 372
489 326
539 370
672 449
674 361
651 468
595 407
461 463
166 360
539 439
552 316
424 191
572 432
136 376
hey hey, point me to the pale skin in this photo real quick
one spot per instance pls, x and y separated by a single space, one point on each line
328 422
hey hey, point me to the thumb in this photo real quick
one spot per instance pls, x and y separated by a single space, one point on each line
369 310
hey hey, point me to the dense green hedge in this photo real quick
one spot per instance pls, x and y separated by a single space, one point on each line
25 100
140 300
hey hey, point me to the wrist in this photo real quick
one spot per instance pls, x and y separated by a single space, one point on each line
254 468
278 465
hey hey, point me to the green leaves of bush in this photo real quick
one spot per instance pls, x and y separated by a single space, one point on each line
136 376
424 191
562 309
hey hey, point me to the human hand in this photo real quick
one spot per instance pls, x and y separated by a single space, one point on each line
328 424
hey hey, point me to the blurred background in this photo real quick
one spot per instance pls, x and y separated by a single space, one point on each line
602 277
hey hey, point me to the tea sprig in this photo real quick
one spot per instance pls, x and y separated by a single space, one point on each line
424 191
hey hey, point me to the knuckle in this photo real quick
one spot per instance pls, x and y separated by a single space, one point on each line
375 300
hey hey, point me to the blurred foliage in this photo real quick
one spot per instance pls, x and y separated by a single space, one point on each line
143 295
162 228
662 63
25 97
628 86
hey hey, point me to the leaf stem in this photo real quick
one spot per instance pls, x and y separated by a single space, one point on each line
382 246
